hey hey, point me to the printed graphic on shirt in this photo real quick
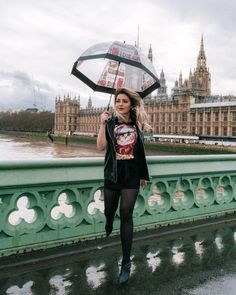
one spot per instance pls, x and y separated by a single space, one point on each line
126 136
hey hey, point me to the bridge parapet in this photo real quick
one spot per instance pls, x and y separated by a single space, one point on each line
49 203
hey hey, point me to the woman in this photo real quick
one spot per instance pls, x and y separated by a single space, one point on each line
125 167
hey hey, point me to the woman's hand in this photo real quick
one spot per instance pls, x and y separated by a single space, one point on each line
143 183
104 117
101 138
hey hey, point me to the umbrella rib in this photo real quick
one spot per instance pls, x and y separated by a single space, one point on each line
111 56
149 89
128 57
83 78
120 59
114 83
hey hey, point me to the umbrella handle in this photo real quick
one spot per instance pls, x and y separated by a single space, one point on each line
108 106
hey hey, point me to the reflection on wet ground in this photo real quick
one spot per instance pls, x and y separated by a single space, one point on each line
200 262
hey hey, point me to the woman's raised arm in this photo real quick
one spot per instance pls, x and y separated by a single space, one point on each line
101 139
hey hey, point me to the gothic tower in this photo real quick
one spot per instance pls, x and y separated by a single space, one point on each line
200 80
163 87
89 106
180 80
66 115
150 56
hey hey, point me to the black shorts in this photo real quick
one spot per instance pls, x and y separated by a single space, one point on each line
128 176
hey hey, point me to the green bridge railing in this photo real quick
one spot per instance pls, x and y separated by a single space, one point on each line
49 203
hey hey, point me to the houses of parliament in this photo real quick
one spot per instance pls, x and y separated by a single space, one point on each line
189 110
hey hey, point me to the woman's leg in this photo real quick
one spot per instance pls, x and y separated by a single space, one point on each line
111 200
127 202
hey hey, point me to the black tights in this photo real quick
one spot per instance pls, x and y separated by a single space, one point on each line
127 201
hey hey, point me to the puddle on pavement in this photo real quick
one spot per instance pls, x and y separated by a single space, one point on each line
195 263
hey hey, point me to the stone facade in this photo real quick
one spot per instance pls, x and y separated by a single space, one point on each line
71 119
199 82
89 119
66 115
189 110
214 116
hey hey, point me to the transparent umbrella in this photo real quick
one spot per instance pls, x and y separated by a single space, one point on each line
107 66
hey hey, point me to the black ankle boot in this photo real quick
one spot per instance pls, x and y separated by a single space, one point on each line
108 228
124 273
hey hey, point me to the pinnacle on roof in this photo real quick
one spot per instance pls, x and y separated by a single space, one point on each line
150 53
162 73
201 60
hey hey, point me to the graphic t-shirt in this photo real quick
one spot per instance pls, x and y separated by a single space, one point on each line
125 138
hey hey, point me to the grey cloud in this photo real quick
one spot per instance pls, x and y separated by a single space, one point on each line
211 12
19 77
22 91
46 37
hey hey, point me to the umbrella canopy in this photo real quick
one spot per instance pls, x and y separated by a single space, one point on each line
107 66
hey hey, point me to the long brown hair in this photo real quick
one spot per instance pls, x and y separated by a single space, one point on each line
137 112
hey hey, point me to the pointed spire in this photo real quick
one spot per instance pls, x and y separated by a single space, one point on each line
89 102
137 44
202 45
202 51
201 81
162 73
150 53
163 88
190 73
201 60
180 79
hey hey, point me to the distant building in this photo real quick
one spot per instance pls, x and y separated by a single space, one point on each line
66 115
89 118
32 110
162 90
189 110
199 82
71 119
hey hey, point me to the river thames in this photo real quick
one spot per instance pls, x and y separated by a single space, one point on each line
24 149
17 148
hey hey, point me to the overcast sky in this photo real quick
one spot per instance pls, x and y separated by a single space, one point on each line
40 41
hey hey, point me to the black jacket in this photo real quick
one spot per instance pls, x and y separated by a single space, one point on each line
110 165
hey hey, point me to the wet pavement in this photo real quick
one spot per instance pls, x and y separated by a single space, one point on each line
201 261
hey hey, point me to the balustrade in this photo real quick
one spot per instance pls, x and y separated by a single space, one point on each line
50 203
